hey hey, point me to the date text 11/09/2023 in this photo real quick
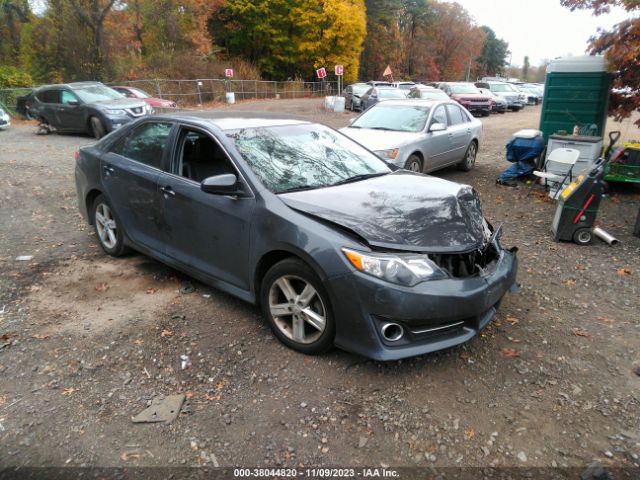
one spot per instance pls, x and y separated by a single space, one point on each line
315 473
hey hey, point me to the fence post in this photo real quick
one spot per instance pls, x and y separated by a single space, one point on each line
158 88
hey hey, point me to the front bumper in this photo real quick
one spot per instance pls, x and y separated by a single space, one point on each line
5 123
112 123
477 107
435 314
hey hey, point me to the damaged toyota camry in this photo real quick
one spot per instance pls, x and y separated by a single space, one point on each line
336 246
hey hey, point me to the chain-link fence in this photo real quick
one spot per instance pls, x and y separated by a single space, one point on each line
192 93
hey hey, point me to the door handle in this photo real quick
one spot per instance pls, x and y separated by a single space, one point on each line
108 170
168 191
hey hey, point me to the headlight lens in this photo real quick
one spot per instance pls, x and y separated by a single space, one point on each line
390 154
115 111
403 269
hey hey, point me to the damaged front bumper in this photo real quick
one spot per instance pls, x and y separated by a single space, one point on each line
430 316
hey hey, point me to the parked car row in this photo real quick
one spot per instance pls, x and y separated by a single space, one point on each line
481 98
87 107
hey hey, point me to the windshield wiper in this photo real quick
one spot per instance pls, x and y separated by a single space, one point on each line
358 178
382 128
300 188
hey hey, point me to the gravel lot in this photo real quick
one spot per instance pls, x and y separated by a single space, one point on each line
87 341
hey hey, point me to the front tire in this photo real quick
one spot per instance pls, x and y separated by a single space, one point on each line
413 164
297 307
469 160
108 228
97 128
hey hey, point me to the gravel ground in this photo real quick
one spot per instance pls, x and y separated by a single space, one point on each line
87 341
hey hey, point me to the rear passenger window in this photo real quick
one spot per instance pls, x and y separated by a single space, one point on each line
145 144
456 116
49 96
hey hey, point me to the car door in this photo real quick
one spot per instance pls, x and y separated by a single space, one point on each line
69 112
348 97
130 171
438 147
49 102
459 131
205 231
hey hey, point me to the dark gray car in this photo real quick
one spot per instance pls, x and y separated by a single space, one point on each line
336 246
83 107
352 94
376 94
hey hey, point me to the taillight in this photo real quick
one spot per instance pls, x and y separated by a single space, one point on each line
76 155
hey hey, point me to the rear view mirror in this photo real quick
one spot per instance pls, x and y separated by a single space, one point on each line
437 127
225 184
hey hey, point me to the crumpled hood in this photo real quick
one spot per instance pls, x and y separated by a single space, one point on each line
400 211
379 139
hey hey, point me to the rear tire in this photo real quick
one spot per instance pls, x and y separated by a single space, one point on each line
469 160
108 228
97 129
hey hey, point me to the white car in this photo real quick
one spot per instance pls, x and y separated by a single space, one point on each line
5 120
419 135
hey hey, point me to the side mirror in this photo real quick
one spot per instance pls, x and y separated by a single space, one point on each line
225 184
437 127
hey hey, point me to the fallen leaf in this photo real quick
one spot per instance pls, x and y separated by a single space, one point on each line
189 394
469 434
166 333
579 333
622 272
138 341
69 391
569 282
509 353
102 287
211 398
129 456
600 318
580 267
40 337
151 290
512 320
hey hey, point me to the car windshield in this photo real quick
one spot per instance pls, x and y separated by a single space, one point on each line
139 93
391 93
97 93
400 118
434 94
360 89
502 87
464 89
304 157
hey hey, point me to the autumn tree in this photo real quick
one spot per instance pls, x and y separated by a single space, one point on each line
13 15
621 47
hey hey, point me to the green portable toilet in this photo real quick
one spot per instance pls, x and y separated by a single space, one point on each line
576 92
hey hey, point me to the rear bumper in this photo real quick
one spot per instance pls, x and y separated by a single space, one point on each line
434 315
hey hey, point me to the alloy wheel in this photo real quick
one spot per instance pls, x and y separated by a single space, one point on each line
297 309
106 226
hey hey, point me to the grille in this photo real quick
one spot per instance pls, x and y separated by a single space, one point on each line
462 265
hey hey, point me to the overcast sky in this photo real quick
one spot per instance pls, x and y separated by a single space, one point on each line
541 28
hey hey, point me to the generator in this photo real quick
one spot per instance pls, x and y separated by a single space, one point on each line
578 206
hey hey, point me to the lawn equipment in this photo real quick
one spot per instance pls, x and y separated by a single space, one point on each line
578 203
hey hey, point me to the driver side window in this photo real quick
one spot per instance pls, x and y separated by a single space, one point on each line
200 157
68 97
439 116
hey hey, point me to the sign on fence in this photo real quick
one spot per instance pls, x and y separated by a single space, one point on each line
321 72
339 70
228 72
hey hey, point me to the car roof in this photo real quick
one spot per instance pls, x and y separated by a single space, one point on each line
226 120
412 102
71 85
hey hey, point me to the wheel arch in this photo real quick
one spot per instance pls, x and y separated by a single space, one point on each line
272 257
89 199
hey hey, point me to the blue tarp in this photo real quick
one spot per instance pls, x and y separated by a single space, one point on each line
522 152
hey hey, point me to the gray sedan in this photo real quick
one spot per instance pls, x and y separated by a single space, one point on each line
376 94
419 135
335 245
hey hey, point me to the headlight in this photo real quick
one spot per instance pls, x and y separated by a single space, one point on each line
403 269
387 154
115 111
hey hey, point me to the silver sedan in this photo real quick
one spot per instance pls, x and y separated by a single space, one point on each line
419 135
